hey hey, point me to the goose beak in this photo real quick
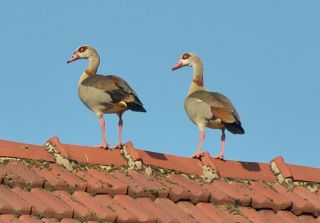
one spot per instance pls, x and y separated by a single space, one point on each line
177 66
74 57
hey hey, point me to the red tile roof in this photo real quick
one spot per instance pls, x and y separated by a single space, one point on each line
72 184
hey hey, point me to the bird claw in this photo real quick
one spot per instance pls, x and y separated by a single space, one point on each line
103 146
118 146
219 156
197 155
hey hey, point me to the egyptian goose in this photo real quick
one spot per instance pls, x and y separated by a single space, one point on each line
207 109
104 94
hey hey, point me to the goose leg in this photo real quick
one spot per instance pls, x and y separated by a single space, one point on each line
120 125
103 131
223 138
198 151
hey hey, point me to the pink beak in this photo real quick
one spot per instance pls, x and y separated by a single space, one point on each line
74 57
178 65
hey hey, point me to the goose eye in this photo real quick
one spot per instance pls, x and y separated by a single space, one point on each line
82 49
185 56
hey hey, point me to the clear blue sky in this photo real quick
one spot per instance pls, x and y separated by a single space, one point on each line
263 55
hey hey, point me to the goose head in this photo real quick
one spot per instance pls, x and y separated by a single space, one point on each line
186 59
83 52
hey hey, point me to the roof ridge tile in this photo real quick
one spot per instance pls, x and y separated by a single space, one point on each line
72 156
166 161
55 141
132 151
101 185
206 160
282 166
11 149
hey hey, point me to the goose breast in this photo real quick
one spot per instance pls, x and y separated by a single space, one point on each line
101 94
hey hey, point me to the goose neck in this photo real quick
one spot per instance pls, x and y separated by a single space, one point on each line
197 83
93 64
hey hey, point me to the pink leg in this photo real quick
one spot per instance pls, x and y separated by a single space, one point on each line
221 154
120 125
103 131
198 151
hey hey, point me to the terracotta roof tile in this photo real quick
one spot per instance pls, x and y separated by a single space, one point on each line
102 213
14 173
123 214
29 219
79 210
57 206
262 200
197 192
89 155
253 215
143 215
50 220
59 178
173 210
24 150
136 188
282 166
287 217
68 220
296 172
270 216
93 185
275 201
8 218
303 173
171 162
163 216
98 182
197 213
11 203
234 213
306 219
308 195
26 174
217 195
112 184
161 190
38 207
214 212
241 170
236 192
299 205
177 192
155 188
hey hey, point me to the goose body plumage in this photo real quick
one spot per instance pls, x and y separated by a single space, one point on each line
108 94
104 94
208 109
214 110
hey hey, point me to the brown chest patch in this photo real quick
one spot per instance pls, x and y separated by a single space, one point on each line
90 72
198 82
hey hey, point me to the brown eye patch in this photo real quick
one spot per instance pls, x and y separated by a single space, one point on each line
186 56
82 49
